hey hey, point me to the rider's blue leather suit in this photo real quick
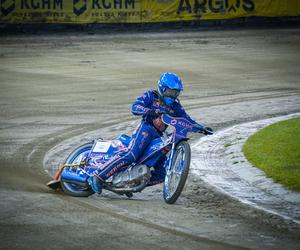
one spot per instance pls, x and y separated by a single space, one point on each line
150 128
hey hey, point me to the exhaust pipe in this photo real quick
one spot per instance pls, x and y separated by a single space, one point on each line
136 189
73 178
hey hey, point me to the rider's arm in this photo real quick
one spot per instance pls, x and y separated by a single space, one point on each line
179 110
142 105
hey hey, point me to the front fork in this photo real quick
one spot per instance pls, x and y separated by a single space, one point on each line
169 161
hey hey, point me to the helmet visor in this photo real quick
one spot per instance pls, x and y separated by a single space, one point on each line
173 93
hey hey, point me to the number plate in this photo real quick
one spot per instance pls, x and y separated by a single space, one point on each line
101 147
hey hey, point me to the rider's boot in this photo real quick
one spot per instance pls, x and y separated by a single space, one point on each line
95 184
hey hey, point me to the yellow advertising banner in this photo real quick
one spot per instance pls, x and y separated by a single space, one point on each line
140 11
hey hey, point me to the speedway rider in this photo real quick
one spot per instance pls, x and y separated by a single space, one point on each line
150 106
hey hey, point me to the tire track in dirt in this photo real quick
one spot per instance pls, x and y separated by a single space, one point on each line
35 158
117 209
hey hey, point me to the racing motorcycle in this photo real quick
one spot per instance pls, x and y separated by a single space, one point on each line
84 160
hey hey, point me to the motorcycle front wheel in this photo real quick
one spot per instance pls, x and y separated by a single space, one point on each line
177 174
74 158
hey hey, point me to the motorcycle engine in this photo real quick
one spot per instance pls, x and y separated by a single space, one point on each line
132 176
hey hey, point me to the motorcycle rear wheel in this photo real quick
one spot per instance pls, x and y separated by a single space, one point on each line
176 176
74 158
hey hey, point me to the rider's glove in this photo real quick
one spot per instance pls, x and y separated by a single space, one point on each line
207 131
154 113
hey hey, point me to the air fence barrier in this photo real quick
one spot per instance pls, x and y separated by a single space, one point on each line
140 11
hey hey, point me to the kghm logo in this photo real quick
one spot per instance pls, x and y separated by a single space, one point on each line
7 6
79 7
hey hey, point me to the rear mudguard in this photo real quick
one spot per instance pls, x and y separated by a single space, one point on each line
54 184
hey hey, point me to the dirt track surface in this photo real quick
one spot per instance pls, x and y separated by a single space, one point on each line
220 161
59 90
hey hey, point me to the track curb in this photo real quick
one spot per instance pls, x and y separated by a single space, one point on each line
220 162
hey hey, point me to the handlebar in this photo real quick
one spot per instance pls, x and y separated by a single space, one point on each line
207 131
182 124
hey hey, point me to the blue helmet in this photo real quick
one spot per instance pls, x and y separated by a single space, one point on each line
169 87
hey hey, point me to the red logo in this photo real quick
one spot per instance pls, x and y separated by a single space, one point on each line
173 122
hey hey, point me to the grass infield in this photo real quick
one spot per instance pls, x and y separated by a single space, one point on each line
276 150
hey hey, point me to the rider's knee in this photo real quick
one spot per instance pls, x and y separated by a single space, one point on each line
130 158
